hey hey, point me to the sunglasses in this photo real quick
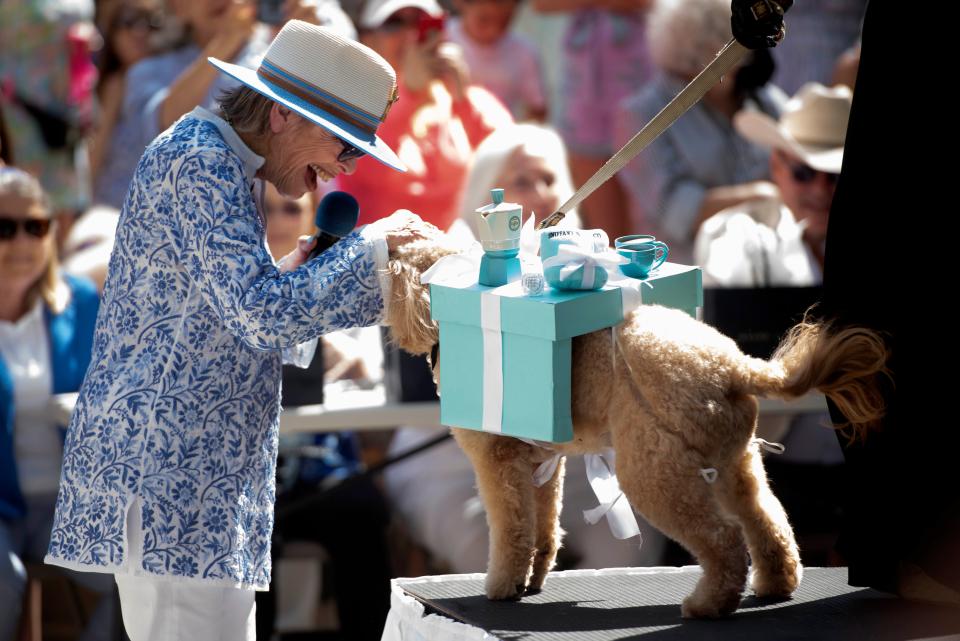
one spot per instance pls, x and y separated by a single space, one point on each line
398 23
803 173
138 20
349 151
36 227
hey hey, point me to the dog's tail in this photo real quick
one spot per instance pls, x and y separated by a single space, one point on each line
846 365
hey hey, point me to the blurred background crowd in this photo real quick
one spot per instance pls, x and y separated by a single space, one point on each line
529 96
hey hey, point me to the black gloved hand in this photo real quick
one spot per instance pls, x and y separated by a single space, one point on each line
758 23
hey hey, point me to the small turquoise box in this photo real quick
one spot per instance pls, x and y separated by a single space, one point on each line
505 357
676 286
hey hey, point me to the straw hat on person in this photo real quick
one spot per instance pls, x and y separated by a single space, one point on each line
812 127
336 83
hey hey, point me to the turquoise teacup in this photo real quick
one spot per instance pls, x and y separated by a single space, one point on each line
633 239
643 261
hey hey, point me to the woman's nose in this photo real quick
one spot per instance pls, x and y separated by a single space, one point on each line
347 166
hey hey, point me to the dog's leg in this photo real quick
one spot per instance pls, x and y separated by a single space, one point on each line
673 497
505 482
549 499
744 493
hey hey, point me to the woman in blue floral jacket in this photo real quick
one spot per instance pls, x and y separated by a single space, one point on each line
168 472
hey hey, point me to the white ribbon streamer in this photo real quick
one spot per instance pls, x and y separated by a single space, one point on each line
546 470
773 448
613 503
529 238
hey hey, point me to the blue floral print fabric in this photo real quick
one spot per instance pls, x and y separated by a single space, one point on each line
178 413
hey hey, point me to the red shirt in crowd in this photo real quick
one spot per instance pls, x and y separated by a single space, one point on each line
434 136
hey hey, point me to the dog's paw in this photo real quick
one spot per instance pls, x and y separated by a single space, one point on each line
777 585
504 589
696 607
536 583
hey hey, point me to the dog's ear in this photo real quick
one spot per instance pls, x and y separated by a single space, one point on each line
420 255
408 311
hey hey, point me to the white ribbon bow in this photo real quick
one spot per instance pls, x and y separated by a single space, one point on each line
613 503
603 480
573 257
455 270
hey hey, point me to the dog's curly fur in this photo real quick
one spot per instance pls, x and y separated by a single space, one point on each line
673 396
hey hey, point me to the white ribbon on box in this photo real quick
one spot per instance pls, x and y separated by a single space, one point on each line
492 420
631 290
570 258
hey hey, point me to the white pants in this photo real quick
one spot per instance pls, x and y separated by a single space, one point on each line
158 610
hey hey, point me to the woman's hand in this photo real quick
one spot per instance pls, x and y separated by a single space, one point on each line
451 68
418 63
399 228
298 256
435 59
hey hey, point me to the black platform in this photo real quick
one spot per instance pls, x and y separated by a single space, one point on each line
645 603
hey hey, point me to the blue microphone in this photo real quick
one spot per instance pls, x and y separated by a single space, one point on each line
336 217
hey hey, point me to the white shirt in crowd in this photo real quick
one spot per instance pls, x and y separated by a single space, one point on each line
25 350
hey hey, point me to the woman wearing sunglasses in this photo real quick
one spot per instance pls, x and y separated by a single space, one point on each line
46 331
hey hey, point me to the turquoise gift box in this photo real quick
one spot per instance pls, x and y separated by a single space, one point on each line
505 357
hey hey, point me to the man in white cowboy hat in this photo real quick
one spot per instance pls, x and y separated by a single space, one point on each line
780 241
168 471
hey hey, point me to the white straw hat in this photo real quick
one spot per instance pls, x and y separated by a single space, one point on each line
337 83
813 126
